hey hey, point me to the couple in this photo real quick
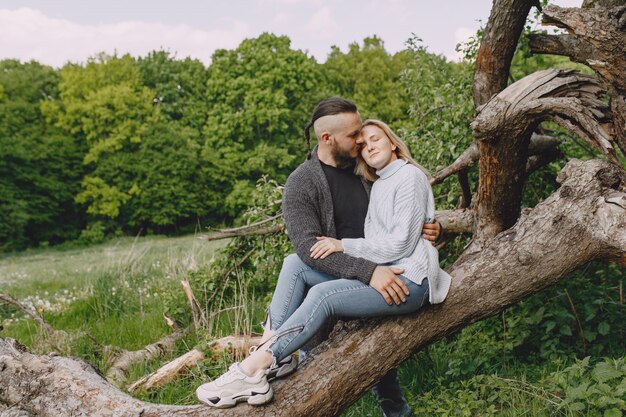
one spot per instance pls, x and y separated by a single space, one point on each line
356 258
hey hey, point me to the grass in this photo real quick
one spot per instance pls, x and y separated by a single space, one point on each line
117 293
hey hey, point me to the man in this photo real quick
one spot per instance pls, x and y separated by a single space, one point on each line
323 197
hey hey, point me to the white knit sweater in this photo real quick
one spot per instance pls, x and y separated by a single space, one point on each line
400 202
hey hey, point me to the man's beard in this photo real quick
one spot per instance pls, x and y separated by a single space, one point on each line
342 158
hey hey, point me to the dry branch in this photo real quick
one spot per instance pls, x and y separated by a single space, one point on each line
199 320
457 221
56 339
7 299
256 231
503 129
539 144
497 47
248 226
597 38
118 371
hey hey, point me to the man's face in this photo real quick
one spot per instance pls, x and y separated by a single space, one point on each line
344 146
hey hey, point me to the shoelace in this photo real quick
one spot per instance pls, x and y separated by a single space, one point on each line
232 374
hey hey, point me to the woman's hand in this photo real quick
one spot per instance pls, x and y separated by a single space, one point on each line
325 246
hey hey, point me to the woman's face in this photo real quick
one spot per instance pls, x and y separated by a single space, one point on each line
377 150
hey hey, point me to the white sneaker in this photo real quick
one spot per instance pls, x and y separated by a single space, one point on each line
235 386
285 367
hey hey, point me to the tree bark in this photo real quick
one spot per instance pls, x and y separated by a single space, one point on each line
597 38
503 129
584 220
497 47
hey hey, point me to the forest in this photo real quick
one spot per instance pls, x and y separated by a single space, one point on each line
108 168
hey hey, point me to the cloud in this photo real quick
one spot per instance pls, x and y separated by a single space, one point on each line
28 34
281 17
322 25
567 3
288 2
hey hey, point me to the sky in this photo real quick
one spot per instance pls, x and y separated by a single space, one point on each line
55 32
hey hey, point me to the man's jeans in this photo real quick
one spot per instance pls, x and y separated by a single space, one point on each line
295 315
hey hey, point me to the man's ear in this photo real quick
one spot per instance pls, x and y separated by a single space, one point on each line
326 138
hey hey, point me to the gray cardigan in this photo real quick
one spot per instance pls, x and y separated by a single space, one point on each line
308 212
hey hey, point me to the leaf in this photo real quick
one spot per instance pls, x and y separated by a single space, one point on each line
565 330
604 372
589 335
550 325
612 412
603 328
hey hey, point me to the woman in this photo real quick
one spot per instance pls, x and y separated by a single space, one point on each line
401 201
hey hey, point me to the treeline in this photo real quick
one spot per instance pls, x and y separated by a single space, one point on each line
156 144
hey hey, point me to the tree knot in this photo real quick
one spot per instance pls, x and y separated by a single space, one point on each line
610 177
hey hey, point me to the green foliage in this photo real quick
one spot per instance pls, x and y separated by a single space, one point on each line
441 112
178 85
252 262
593 389
142 166
40 167
94 233
371 77
259 96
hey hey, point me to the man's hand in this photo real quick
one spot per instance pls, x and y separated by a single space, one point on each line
430 231
325 246
385 281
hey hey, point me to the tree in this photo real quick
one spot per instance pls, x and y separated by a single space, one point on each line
179 87
371 77
40 167
258 96
141 165
515 253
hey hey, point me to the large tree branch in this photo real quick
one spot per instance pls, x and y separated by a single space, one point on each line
497 47
538 145
596 38
503 129
584 220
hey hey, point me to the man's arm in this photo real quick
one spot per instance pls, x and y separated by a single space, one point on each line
302 219
433 232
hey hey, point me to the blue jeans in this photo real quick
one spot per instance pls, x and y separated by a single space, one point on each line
295 316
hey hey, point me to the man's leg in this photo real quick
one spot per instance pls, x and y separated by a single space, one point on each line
389 396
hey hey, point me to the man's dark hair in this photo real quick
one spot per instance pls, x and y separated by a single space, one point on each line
327 107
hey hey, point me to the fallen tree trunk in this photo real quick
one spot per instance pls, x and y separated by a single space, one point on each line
584 220
118 371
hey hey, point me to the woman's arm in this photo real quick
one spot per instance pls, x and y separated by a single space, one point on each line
406 224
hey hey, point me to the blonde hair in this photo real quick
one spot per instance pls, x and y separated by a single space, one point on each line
401 151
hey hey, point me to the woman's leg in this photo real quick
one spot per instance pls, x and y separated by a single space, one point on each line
339 297
294 280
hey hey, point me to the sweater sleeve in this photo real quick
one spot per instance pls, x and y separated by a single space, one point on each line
302 215
406 222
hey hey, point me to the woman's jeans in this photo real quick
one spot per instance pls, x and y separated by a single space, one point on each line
296 316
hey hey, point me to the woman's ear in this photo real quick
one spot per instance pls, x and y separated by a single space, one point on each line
394 147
